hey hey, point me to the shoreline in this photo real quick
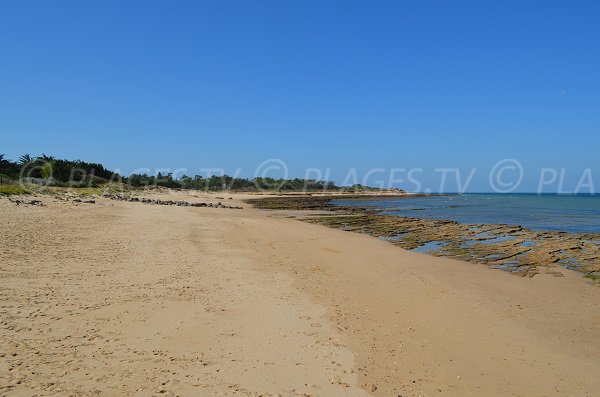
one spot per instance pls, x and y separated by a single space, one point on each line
121 297
513 248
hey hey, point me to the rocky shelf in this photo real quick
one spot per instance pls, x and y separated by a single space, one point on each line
508 247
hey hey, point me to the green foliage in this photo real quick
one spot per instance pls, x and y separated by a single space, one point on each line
10 190
227 182
47 170
8 167
89 191
43 157
595 277
61 172
67 173
26 159
77 172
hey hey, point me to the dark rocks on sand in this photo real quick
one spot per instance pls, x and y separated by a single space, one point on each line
178 203
26 202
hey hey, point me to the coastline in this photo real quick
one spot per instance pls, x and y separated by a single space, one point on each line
120 297
513 248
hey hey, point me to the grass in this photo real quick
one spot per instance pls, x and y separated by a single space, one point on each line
10 190
593 277
113 188
80 191
87 191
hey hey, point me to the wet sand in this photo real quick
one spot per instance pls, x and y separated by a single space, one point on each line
125 298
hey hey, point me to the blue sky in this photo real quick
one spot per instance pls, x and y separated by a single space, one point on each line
318 84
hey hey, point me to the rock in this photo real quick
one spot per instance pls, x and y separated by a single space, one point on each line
370 387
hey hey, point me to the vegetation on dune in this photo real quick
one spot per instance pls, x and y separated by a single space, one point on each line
11 190
49 171
594 277
226 182
54 171
8 169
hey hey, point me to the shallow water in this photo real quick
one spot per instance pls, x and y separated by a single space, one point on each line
528 243
545 212
431 246
396 237
496 240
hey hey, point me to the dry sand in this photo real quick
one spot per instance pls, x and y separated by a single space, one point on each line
119 298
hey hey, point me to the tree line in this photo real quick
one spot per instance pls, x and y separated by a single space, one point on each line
227 182
55 171
49 170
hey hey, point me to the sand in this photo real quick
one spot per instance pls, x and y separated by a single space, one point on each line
120 298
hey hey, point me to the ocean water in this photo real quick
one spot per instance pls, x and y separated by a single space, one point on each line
579 213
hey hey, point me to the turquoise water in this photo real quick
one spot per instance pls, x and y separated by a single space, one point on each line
545 212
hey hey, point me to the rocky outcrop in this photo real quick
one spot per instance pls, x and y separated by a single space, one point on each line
178 203
26 202
508 247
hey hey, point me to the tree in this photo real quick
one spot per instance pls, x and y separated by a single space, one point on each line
8 168
45 158
46 171
26 159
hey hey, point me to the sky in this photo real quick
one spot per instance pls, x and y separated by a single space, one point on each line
351 91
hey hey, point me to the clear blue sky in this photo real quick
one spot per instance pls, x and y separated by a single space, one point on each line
321 84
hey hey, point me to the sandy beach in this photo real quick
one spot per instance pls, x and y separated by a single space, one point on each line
125 298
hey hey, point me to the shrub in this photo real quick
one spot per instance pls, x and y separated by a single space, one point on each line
47 170
10 190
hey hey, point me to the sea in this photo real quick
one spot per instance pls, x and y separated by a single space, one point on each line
566 213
